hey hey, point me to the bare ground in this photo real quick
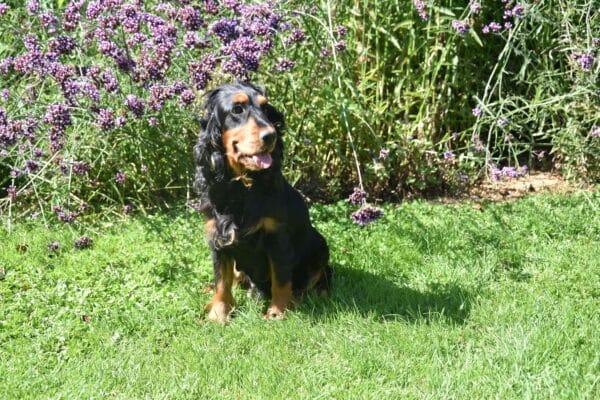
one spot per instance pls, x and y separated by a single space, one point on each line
509 189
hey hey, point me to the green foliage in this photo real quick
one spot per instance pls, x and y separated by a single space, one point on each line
381 96
409 86
434 301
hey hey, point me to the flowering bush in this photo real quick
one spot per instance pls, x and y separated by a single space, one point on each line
100 98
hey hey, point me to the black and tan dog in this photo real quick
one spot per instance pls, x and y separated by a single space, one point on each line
258 226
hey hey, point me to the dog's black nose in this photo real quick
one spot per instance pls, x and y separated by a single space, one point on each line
268 137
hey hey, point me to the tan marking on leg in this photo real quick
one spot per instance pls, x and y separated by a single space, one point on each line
222 302
281 297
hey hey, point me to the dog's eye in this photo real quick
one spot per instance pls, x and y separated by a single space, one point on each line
237 109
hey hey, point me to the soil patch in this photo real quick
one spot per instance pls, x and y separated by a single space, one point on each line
509 189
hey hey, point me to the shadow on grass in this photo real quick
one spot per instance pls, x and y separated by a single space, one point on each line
372 296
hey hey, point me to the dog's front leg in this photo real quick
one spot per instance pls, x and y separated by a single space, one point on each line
281 263
222 302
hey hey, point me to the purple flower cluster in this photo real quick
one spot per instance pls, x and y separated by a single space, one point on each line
584 60
53 247
507 172
461 27
367 214
420 6
83 242
64 216
511 11
358 197
113 64
383 153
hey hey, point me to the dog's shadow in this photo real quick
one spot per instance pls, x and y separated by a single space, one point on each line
374 297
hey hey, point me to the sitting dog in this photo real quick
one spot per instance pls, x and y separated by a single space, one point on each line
258 227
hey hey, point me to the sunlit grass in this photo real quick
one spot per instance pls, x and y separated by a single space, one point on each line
433 301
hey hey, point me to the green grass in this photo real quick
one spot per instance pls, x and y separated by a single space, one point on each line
434 301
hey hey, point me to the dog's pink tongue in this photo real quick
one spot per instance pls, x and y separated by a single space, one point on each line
263 161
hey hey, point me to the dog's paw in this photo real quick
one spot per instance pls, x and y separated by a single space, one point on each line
218 311
274 313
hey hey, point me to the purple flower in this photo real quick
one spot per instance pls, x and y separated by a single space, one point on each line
5 65
325 52
476 111
357 197
109 81
83 242
32 166
285 65
448 154
461 27
494 26
383 154
518 11
106 119
81 167
187 97
190 18
3 9
32 7
502 121
120 177
12 193
420 6
586 61
475 7
366 215
211 7
340 46
128 208
48 21
595 131
153 121
53 247
201 72
226 29
341 30
135 105
296 36
58 115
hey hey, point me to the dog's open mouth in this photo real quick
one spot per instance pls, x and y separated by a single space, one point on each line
258 161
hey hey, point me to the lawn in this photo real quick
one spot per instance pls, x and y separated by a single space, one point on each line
433 301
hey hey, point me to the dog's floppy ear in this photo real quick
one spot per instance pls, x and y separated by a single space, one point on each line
208 152
276 118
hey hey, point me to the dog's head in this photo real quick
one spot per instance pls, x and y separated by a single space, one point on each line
241 133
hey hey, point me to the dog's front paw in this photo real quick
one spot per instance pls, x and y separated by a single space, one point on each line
218 311
274 312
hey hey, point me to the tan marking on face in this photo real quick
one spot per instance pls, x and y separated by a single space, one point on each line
243 142
240 98
261 100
